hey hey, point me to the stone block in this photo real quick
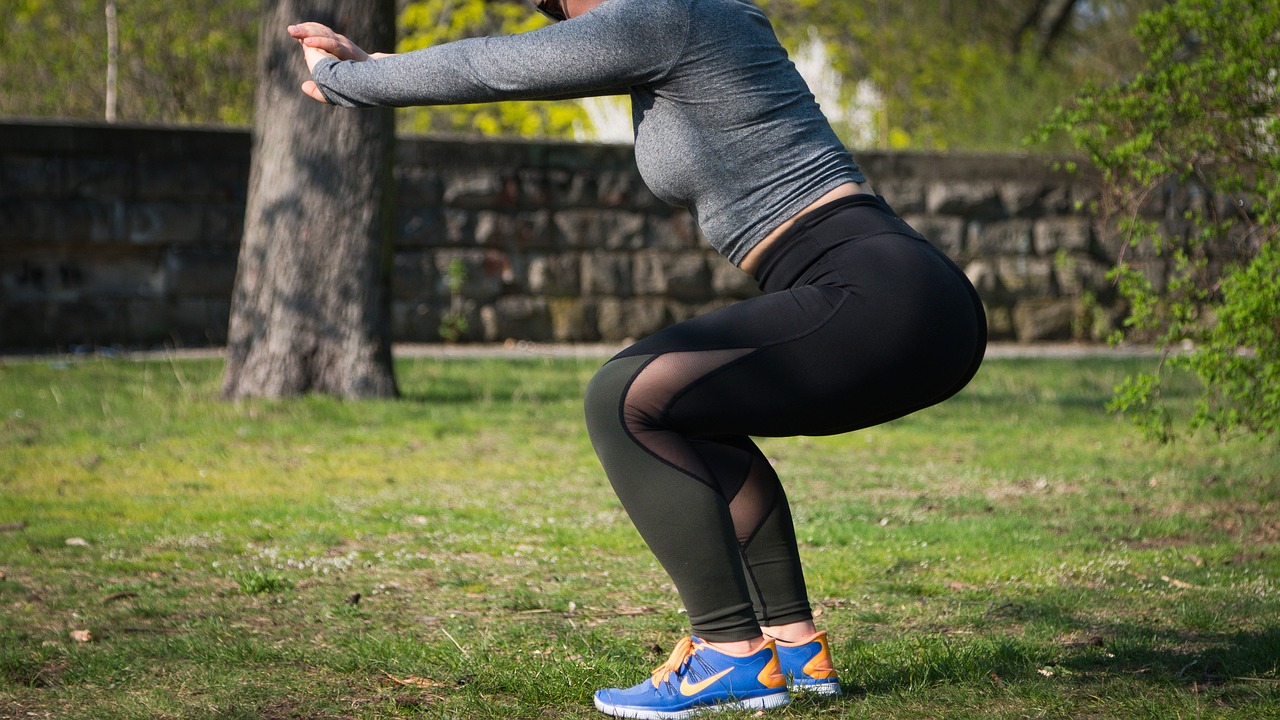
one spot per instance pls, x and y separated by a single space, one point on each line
572 320
33 325
673 231
99 178
200 271
1039 319
519 317
1072 233
606 274
164 222
972 200
125 277
906 197
618 188
688 278
223 224
620 230
62 222
1076 273
609 229
198 321
619 320
999 321
414 277
24 279
475 269
30 176
555 275
1024 275
984 277
416 322
1023 198
682 276
418 227
76 278
479 189
179 179
418 186
1001 237
519 230
649 273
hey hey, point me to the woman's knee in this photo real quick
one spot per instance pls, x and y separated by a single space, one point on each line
604 395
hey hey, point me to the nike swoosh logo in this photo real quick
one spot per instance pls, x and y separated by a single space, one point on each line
687 689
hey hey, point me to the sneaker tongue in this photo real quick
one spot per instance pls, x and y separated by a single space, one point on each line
683 650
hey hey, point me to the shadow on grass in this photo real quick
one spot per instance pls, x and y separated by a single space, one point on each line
1140 655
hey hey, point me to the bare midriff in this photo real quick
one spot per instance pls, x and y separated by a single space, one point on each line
752 259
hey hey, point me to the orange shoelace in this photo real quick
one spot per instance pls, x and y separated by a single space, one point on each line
684 650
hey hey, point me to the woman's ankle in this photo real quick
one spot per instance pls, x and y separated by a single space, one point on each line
796 632
736 647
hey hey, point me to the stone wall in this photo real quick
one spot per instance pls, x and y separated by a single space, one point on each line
116 235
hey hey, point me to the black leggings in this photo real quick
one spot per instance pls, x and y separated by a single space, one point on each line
862 321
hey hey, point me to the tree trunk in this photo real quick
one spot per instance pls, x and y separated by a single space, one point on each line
311 308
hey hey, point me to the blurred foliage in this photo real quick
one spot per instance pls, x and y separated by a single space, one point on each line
957 74
1201 117
967 74
178 62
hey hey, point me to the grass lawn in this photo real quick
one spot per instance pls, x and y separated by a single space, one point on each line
1014 553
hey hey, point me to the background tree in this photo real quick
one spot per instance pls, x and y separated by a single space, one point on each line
310 311
1202 117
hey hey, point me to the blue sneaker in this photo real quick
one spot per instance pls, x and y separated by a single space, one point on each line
697 678
807 665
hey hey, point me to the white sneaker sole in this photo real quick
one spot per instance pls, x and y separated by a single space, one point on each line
825 688
765 702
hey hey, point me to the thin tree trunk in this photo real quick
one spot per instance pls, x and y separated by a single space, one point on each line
1055 29
311 308
113 61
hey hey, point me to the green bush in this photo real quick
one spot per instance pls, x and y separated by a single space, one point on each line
1202 117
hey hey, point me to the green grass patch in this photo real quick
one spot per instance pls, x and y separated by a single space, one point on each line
1016 552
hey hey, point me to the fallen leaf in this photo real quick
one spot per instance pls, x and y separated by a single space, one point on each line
83 636
1178 583
80 542
414 681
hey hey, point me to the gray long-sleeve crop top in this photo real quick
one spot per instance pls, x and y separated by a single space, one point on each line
724 124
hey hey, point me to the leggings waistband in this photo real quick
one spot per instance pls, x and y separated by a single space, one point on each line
809 238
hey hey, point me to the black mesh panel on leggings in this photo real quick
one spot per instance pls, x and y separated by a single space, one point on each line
733 465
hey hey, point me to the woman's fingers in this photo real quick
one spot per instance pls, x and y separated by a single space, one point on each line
310 29
315 35
322 43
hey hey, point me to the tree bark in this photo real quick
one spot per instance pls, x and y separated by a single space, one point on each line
311 307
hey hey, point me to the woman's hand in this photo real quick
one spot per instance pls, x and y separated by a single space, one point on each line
319 42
